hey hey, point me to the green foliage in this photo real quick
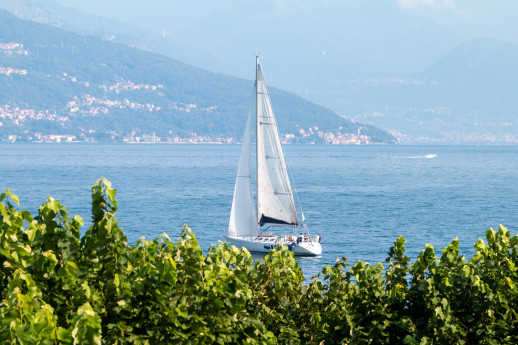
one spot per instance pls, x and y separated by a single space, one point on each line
57 287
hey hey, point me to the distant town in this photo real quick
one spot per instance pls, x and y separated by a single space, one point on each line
93 106
17 116
90 106
19 122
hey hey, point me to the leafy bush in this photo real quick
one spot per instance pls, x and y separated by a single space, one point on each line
57 287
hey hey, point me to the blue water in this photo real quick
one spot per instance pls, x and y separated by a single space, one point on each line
359 198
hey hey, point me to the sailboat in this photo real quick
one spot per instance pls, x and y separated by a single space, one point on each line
275 203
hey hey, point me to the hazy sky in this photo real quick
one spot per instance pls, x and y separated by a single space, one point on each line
471 18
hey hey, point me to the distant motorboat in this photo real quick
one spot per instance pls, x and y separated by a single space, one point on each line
275 203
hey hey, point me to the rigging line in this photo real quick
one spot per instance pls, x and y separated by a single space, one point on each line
295 189
249 109
269 226
286 162
250 125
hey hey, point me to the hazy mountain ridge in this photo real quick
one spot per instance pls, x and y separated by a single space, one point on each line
468 96
484 64
71 19
464 95
82 85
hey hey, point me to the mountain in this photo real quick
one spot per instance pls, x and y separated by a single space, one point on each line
54 81
468 96
344 39
71 19
481 73
347 41
408 75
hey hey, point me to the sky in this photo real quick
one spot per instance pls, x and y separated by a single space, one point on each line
471 18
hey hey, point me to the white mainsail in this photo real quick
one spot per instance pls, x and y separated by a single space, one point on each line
243 216
275 204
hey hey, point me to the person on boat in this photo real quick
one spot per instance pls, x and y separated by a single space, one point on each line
300 238
291 238
306 238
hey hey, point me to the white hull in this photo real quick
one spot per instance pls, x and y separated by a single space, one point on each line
264 244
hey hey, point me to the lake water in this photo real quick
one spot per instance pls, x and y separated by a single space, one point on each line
358 198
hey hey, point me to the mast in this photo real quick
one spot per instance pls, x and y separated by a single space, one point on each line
257 136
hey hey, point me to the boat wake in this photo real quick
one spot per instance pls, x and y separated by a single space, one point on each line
429 156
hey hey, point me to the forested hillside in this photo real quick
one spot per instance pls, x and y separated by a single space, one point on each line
57 82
